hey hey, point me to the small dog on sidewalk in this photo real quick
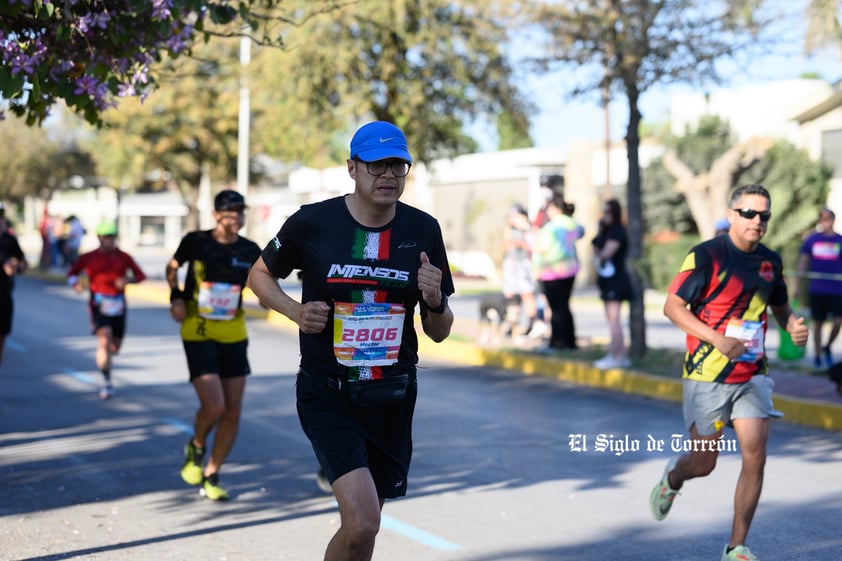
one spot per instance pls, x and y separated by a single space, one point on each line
498 317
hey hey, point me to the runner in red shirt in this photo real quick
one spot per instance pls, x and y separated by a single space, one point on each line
719 298
106 268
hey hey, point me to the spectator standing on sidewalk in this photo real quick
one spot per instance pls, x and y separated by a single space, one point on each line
58 235
518 282
46 258
821 261
610 246
719 298
214 334
73 241
556 263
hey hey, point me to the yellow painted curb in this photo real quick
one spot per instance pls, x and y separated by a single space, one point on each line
809 413
576 372
797 411
150 293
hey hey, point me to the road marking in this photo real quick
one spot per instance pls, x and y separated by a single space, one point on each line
15 346
425 538
81 376
413 533
180 425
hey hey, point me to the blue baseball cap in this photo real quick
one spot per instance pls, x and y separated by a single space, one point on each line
379 140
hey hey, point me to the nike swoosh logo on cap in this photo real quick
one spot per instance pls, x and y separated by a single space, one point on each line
386 139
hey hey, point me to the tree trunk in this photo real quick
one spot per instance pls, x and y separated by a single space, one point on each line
707 193
637 318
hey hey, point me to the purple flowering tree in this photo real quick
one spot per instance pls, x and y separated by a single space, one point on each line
90 52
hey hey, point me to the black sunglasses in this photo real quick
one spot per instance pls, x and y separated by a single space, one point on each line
749 214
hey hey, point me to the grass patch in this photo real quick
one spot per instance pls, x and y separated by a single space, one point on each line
661 362
460 338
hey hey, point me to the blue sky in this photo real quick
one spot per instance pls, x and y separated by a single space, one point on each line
560 119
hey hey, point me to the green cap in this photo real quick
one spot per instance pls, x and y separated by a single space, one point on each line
106 228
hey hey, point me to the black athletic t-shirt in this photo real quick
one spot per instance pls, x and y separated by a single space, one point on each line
216 265
343 261
9 248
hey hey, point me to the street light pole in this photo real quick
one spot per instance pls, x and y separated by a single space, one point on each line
244 117
606 107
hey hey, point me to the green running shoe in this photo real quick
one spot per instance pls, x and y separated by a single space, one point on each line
662 496
739 553
212 490
192 472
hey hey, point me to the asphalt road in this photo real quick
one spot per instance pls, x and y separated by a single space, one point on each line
494 475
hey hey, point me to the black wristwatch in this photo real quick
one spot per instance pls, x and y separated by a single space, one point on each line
440 308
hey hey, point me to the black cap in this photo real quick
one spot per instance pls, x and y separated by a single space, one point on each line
229 200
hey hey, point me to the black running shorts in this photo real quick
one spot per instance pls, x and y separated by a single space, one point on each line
6 312
228 360
824 305
345 438
99 320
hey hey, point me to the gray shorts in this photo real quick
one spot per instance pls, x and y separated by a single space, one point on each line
517 276
712 405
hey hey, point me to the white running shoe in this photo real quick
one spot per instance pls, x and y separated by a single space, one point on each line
608 362
539 330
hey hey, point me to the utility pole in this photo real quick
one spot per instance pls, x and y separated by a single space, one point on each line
606 106
244 116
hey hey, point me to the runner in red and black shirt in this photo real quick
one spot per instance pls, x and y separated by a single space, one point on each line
719 298
729 291
107 269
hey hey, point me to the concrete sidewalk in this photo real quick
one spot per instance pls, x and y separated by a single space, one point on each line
805 399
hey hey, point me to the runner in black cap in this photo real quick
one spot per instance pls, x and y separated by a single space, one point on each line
213 330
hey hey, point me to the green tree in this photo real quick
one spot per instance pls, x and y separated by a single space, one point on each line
710 165
37 162
626 47
23 159
512 132
305 103
430 66
90 53
824 25
664 206
798 186
187 129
